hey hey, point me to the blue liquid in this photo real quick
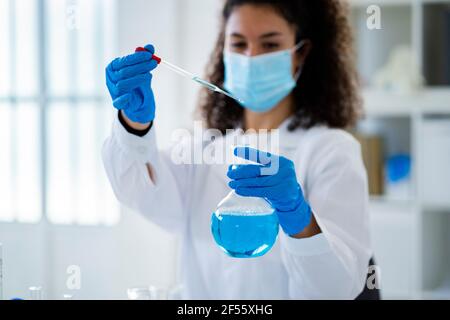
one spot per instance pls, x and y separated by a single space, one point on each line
244 236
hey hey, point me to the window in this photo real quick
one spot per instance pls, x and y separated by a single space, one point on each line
55 114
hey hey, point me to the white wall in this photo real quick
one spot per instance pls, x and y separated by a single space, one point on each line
135 252
183 32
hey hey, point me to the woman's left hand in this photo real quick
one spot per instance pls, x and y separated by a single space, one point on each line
274 179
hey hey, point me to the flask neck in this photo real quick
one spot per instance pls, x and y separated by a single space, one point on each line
234 203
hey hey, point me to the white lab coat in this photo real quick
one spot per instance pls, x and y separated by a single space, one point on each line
331 265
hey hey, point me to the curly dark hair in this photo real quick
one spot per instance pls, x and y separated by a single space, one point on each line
327 91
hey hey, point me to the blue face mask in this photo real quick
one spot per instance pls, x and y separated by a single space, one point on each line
260 82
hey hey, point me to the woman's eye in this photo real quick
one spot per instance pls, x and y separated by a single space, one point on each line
238 45
271 46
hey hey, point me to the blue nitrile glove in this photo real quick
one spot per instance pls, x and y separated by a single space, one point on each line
129 83
280 189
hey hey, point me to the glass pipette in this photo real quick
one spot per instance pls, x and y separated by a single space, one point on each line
191 76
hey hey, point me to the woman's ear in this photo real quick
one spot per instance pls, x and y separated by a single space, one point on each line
302 54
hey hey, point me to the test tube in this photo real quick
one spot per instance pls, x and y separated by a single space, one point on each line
157 293
175 292
147 293
35 293
139 293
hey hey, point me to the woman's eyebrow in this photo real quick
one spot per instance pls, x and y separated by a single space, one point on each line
270 35
237 35
264 36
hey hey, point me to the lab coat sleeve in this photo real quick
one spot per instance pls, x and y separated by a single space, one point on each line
160 198
333 264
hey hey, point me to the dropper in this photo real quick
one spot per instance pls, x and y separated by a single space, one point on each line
191 76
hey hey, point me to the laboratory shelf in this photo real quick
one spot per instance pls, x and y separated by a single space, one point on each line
434 1
436 294
424 102
432 208
410 235
365 3
392 202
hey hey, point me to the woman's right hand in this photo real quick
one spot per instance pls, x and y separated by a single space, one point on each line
129 83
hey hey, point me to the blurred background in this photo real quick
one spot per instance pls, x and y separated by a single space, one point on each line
57 210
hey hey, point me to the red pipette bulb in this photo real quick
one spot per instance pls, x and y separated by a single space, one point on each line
154 57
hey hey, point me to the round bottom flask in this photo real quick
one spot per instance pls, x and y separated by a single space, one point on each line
244 227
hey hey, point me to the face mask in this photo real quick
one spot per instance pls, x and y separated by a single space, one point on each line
261 82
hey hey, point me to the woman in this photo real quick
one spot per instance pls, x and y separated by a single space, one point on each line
291 63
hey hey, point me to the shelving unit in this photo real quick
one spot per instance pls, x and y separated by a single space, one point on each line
411 236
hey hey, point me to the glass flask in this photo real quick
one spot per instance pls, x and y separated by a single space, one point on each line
147 293
244 227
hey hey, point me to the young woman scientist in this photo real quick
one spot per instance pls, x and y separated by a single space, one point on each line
307 90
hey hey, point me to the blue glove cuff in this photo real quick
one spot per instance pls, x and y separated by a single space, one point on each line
295 221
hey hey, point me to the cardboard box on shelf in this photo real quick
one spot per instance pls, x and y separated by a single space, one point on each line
372 153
